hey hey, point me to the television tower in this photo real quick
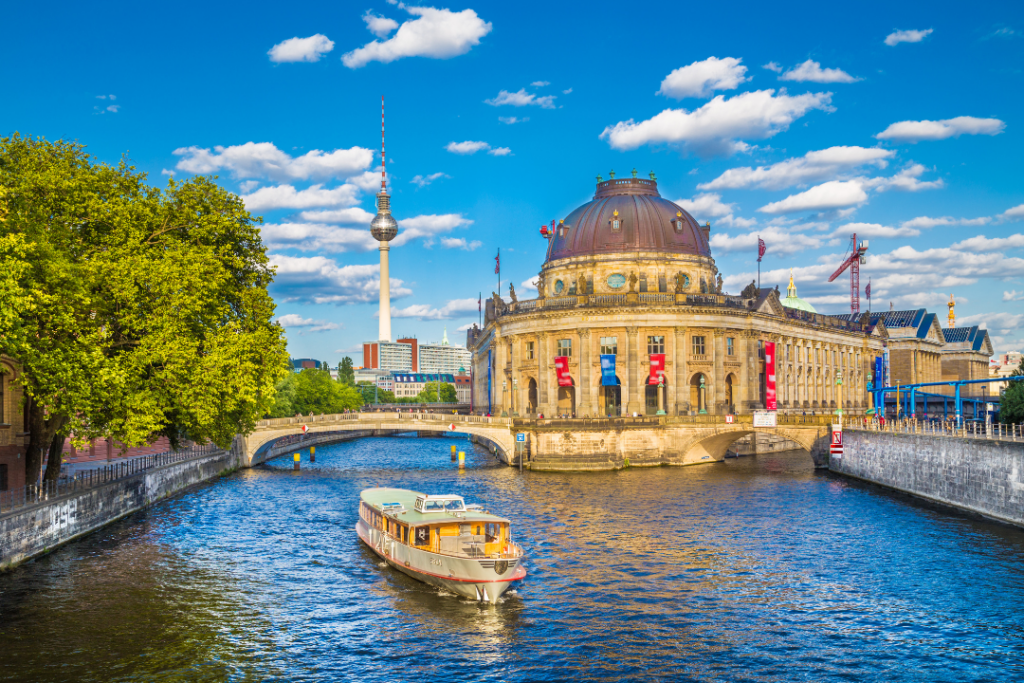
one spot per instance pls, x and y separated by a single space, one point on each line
384 229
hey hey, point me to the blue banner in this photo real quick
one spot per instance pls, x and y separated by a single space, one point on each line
608 378
879 380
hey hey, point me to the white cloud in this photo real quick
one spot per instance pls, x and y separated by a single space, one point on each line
707 205
927 222
912 36
700 79
301 49
907 180
513 119
566 92
1013 295
265 160
772 66
165 171
873 230
463 328
351 216
460 243
721 124
1004 322
540 84
295 320
980 243
467 147
428 226
287 197
318 237
1016 213
436 33
811 71
833 194
113 108
780 241
368 181
529 285
248 185
731 221
522 99
379 26
812 167
915 131
320 280
455 308
500 151
423 180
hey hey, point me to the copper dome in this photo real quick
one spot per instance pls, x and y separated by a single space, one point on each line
645 222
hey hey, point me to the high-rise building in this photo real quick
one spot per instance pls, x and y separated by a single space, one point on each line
384 229
388 355
444 357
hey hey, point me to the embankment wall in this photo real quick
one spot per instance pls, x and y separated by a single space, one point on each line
34 530
977 475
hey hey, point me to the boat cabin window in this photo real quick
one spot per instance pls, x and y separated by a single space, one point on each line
440 504
422 535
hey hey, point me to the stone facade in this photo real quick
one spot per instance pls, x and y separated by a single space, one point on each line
979 475
13 432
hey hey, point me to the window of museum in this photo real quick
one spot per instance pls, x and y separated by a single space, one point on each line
609 346
616 223
643 283
730 349
529 350
565 347
655 344
509 353
662 284
788 349
698 346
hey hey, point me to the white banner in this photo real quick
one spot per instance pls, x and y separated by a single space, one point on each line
764 418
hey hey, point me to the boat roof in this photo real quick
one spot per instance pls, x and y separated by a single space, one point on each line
402 503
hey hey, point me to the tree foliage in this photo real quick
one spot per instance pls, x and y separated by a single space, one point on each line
1011 406
313 391
149 313
428 394
346 374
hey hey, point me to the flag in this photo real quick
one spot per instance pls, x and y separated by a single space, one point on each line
657 368
562 371
867 291
608 378
497 263
761 248
480 303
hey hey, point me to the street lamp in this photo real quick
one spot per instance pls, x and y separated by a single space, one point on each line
661 394
839 390
703 398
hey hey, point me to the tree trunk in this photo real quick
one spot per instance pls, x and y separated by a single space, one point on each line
43 431
56 456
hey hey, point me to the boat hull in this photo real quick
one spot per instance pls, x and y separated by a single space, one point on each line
476 579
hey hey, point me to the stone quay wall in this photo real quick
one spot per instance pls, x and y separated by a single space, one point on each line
978 475
37 529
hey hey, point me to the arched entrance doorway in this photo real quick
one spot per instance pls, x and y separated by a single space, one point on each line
531 397
651 398
698 396
610 400
729 379
567 400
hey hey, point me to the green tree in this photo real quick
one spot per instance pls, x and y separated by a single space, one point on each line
284 395
316 392
1011 406
429 393
346 375
372 395
149 308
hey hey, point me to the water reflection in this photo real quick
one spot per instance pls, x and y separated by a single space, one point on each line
755 569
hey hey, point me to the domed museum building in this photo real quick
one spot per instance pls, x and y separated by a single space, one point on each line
630 318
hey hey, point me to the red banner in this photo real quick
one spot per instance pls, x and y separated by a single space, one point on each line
562 370
769 376
657 368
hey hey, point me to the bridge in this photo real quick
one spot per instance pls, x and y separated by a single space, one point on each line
551 444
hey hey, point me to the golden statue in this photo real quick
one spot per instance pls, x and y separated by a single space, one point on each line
952 315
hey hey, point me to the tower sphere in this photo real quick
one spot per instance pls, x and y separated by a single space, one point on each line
383 227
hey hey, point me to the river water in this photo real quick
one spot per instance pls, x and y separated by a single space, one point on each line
755 569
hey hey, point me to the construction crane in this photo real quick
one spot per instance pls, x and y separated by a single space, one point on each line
853 263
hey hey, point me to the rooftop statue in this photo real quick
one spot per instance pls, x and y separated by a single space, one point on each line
512 293
633 279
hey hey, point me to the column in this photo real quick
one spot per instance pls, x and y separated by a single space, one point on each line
584 405
543 375
515 399
632 361
741 392
679 396
718 399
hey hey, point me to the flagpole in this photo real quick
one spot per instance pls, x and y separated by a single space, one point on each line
758 265
499 270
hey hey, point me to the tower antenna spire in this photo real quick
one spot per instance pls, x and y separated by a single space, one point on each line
383 159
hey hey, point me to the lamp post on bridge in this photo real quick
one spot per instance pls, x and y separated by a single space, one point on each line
839 390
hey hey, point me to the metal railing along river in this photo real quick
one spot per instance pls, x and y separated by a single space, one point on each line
30 494
995 431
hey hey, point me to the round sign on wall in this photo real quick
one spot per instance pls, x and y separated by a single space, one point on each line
559 286
616 280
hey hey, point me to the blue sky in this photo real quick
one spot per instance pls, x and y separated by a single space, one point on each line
903 123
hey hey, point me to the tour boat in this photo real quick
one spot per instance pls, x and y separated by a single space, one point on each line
441 541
